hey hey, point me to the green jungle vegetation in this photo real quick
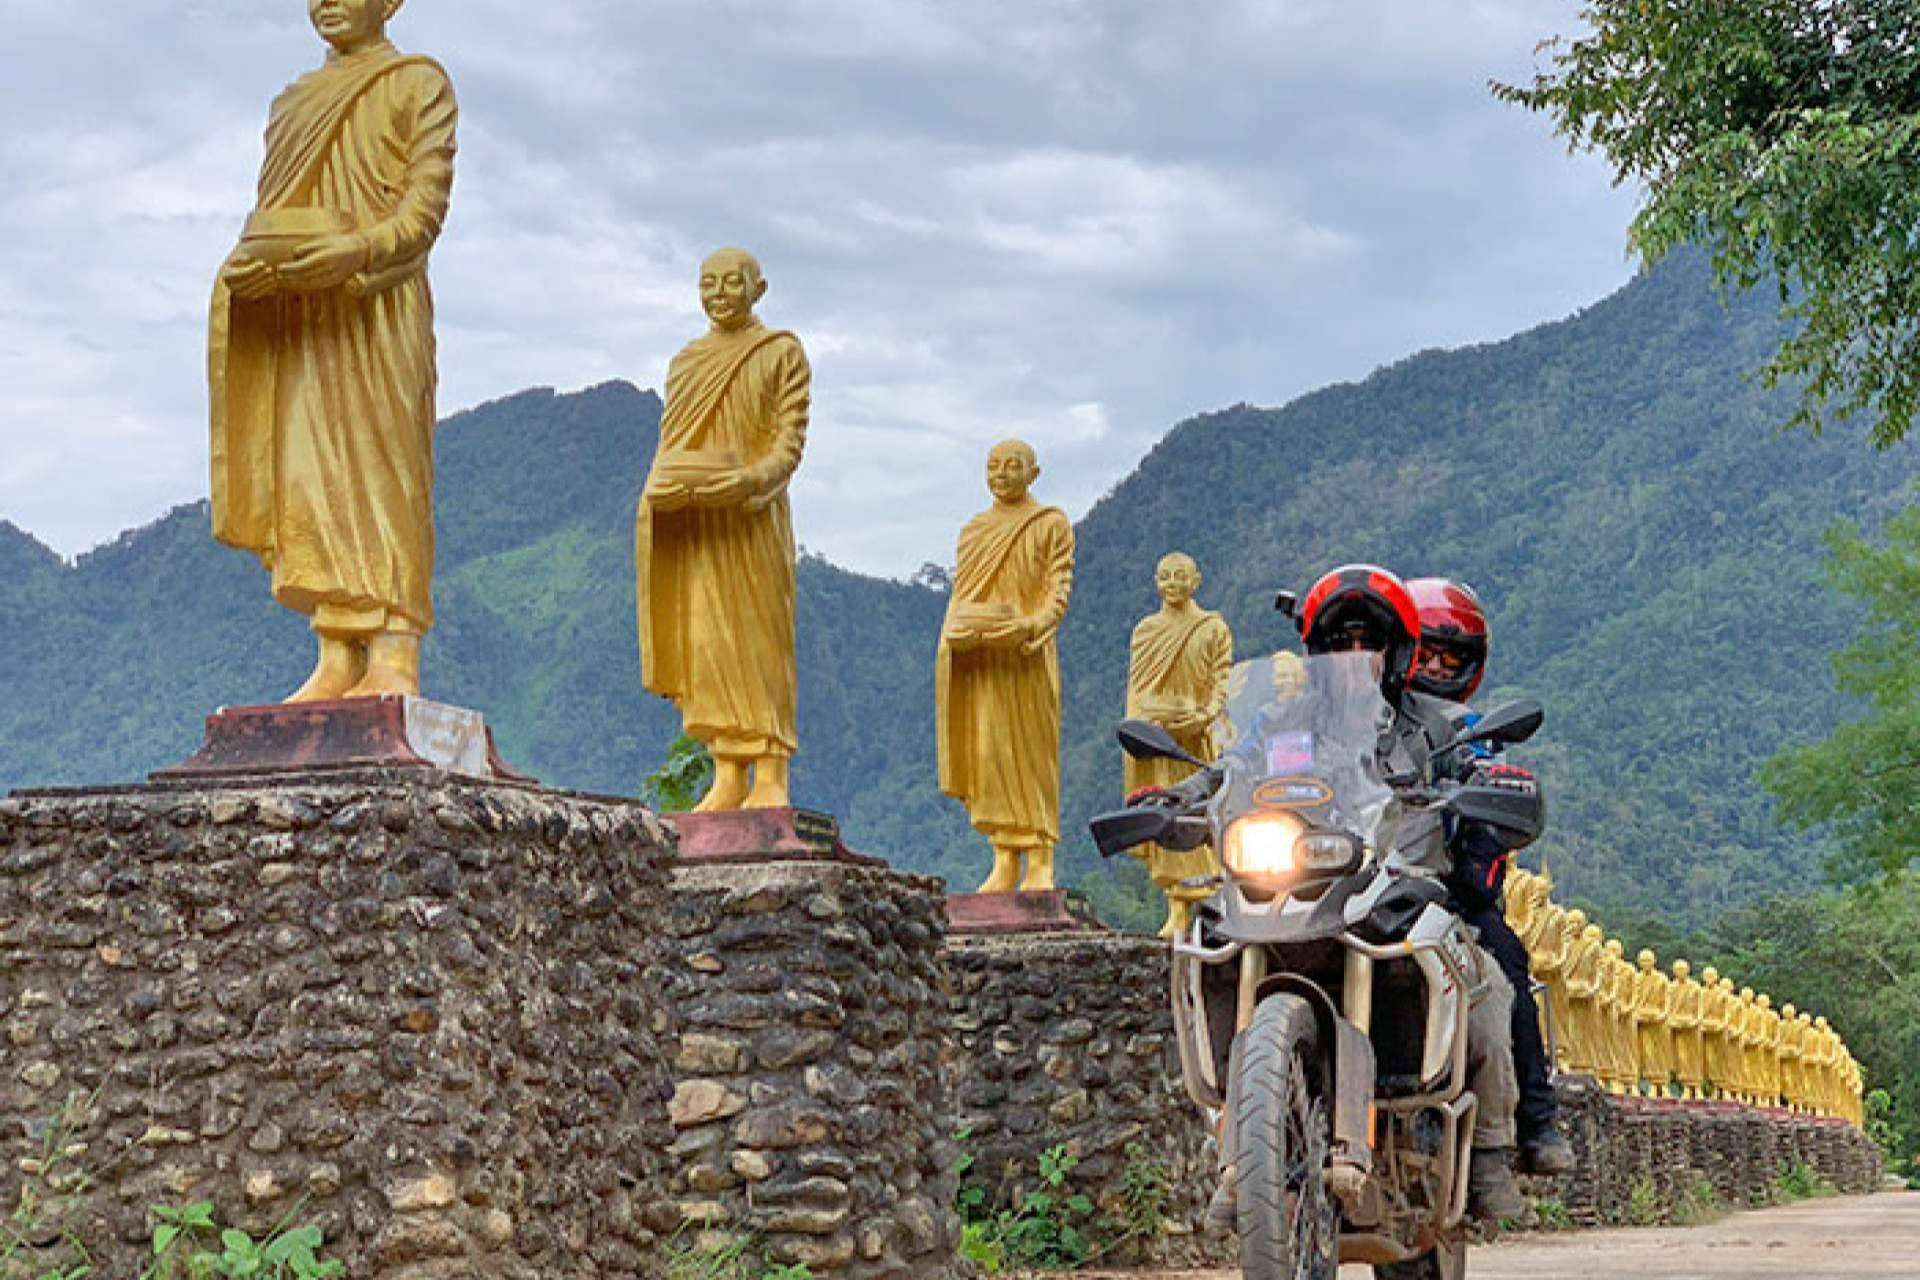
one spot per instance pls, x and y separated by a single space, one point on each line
1615 484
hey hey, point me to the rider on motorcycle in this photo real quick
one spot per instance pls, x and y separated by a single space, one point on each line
1362 607
1454 643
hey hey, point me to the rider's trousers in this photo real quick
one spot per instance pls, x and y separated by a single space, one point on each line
1490 1059
1538 1107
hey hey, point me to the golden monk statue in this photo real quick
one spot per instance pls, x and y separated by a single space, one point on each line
997 680
713 540
321 356
1716 1007
1652 1008
1549 941
1685 1016
1621 1066
1765 1031
1586 1037
1747 1016
1177 677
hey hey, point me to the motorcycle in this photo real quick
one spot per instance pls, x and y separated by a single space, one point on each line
1321 994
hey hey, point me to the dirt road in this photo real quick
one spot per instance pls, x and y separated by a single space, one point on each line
1861 1238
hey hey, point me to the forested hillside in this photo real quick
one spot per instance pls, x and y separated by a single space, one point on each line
1614 484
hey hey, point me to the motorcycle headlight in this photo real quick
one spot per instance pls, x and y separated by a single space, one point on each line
1261 845
1267 846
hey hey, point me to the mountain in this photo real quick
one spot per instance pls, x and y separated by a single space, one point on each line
1614 484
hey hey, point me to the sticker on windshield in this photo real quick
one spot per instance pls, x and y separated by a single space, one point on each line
1292 793
1290 751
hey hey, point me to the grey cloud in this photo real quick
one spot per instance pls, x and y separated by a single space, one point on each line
1077 220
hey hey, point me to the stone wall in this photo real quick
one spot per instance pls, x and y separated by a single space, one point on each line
812 1103
1641 1161
1067 1040
416 1012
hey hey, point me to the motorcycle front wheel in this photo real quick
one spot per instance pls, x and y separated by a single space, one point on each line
1282 1210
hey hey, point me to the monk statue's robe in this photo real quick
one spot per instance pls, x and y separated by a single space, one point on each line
716 584
1715 1011
998 709
1652 1003
1689 1045
1622 1064
1547 953
323 403
1585 1039
1178 666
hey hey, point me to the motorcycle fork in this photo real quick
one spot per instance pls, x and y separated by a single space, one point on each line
1253 972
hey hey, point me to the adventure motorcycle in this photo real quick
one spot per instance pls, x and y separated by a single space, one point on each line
1321 995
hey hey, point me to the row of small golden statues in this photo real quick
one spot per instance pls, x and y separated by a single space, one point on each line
1636 1029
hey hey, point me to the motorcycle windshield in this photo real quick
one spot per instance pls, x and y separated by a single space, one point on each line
1304 734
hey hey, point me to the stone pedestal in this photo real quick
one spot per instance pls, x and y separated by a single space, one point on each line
811 1104
1066 1039
415 1011
310 738
1042 911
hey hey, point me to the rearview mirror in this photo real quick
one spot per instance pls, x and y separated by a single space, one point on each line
1145 740
1515 722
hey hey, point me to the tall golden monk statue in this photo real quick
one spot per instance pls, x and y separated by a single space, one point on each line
713 540
1177 672
321 356
997 681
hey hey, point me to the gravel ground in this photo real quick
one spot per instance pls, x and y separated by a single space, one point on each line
1864 1238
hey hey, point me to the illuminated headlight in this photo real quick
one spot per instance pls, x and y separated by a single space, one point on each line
1261 845
1273 845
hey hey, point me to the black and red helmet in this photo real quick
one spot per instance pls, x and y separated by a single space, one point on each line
1369 599
1451 617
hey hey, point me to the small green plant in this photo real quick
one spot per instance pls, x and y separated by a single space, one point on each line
1047 1228
185 1248
1643 1203
682 778
710 1258
1698 1203
35 1241
1801 1181
725 1257
980 1245
1550 1214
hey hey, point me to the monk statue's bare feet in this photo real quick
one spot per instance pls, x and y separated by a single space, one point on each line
1006 871
1039 877
770 786
341 665
393 666
729 787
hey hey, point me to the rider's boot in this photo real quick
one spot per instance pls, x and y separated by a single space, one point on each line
1546 1155
1492 1193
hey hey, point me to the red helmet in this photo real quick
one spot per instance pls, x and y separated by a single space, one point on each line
1451 617
1369 598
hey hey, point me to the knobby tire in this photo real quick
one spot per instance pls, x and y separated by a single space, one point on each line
1283 1211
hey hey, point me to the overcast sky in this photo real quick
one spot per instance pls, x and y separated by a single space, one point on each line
1078 221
